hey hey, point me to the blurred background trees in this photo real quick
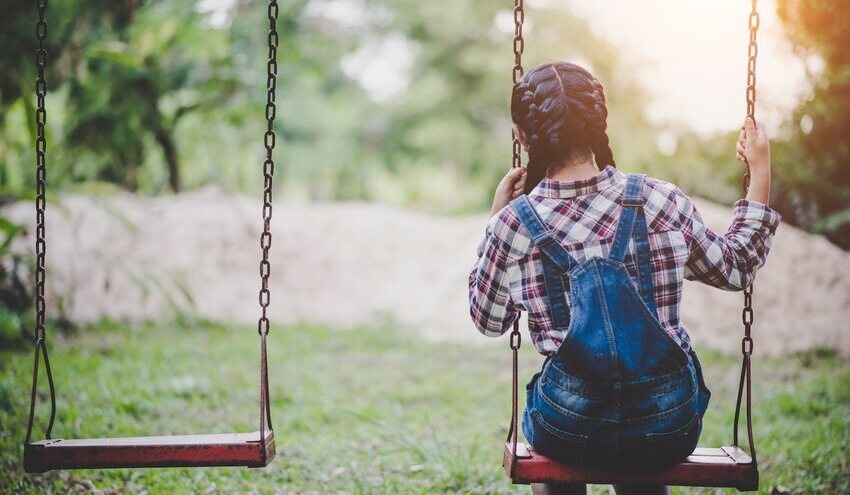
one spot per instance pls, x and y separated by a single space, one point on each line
813 190
158 96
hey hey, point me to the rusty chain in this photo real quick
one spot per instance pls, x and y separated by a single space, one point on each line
747 314
40 170
268 168
40 230
266 237
519 47
516 336
752 55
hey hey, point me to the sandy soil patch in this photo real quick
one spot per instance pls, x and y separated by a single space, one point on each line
342 264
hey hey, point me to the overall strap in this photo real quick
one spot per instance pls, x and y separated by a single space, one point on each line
541 235
556 260
632 225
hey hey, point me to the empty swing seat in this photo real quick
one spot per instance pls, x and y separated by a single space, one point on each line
707 467
228 449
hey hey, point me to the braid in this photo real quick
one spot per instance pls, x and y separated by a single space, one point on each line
526 110
561 109
598 135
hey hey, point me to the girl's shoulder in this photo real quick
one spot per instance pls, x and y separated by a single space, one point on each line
666 208
665 205
511 235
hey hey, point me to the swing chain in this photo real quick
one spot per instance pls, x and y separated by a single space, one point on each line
266 237
516 336
268 168
752 55
747 318
519 47
40 230
41 171
518 71
747 314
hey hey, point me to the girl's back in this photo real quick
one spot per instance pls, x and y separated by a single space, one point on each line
582 217
597 260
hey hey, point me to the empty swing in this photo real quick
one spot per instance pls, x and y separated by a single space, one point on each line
728 466
228 449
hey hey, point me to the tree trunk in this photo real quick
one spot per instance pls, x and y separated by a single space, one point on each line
169 150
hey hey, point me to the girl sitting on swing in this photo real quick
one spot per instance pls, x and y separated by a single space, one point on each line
596 258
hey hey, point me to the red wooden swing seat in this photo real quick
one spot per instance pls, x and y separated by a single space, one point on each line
228 449
707 467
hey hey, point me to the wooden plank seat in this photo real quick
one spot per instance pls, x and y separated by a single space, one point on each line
228 449
707 467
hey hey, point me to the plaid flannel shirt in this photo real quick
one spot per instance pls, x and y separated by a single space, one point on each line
582 216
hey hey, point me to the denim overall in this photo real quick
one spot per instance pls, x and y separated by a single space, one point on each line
619 394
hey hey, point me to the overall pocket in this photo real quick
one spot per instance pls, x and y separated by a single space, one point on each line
527 431
672 447
554 442
704 392
529 390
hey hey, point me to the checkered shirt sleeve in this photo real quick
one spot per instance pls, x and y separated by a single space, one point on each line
729 261
490 303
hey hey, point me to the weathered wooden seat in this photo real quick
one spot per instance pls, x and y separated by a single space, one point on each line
707 467
228 449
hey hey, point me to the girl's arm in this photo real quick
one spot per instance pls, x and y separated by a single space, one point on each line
489 287
730 261
754 148
490 304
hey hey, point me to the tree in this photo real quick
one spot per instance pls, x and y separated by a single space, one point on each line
451 126
813 183
69 24
139 80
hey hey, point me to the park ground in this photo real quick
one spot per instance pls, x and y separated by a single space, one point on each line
369 410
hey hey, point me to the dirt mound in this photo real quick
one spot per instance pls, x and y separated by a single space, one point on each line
134 258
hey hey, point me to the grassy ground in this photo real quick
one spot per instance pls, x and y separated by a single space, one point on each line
367 411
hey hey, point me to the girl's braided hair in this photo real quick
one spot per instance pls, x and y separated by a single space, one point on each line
561 109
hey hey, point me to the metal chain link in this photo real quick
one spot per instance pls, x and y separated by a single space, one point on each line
41 172
268 168
752 54
747 314
519 47
516 336
266 237
40 230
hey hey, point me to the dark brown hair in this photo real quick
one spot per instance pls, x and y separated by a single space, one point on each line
561 109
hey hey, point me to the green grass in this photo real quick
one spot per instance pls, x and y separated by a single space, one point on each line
368 410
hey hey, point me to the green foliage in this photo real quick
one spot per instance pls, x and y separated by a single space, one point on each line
814 169
15 291
345 425
152 95
71 25
134 85
155 85
450 129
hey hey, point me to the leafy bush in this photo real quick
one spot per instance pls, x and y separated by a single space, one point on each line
16 316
